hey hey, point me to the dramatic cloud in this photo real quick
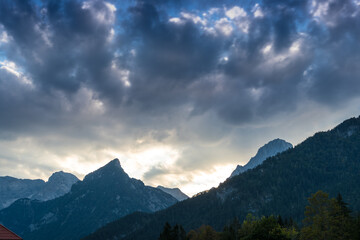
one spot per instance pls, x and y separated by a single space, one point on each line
179 91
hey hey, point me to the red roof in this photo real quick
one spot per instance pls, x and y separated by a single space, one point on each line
6 234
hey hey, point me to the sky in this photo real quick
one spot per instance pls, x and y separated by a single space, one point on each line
179 91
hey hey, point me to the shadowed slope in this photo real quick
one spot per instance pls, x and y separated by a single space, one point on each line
328 161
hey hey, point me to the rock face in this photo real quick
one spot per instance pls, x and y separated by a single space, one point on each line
103 196
268 150
58 184
175 192
12 189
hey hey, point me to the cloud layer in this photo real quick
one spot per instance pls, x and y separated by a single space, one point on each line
189 87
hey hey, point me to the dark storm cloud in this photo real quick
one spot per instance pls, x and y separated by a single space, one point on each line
172 52
18 17
201 82
63 43
334 73
61 46
169 57
140 61
173 59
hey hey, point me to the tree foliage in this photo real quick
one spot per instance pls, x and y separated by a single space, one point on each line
175 233
325 219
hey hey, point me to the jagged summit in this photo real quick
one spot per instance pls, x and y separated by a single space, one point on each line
115 162
268 150
111 169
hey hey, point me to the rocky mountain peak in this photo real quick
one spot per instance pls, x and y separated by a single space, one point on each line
11 189
110 170
273 147
115 162
62 177
268 150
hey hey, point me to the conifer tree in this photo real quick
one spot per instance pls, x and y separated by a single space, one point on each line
166 233
344 206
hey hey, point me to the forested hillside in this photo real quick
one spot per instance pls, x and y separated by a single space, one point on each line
329 161
325 219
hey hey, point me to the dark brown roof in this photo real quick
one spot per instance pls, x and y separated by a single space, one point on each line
6 234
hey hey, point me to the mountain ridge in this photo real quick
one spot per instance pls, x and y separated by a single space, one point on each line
103 196
326 161
12 189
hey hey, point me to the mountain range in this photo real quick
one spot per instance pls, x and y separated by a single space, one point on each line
103 196
327 161
12 189
268 150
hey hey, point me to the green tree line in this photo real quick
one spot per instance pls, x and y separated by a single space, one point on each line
325 219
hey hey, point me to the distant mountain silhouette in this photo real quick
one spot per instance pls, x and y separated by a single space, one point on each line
103 196
12 189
